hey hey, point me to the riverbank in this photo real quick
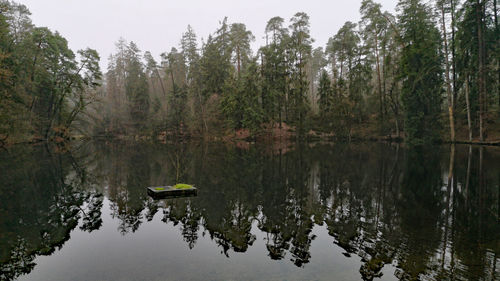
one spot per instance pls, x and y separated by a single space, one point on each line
271 133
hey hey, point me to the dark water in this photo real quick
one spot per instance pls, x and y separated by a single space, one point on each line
322 212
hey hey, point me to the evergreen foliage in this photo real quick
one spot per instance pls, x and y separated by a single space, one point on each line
420 72
384 76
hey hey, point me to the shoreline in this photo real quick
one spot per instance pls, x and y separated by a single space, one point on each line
250 140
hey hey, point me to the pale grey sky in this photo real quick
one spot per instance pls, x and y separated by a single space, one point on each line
157 25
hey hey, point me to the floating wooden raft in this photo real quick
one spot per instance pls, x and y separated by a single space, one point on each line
159 192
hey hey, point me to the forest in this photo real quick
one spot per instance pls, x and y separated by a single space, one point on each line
428 73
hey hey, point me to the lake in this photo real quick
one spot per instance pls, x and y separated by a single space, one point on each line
366 211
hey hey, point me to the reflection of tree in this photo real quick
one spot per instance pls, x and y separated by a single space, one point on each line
420 208
44 195
388 205
20 262
275 220
130 200
385 204
230 197
180 211
92 213
475 221
126 170
152 208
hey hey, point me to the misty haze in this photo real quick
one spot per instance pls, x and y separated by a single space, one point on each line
249 140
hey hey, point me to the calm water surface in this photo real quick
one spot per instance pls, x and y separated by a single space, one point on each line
298 212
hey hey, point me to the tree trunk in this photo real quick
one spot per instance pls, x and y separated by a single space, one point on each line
384 80
280 114
203 114
453 55
467 178
467 100
449 94
379 79
397 127
239 59
498 43
334 70
481 62
161 82
448 199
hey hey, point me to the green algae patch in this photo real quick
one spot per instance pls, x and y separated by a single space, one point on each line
182 186
160 188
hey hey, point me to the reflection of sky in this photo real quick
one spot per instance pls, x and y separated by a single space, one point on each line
157 252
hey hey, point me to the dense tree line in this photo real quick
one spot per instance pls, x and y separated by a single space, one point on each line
396 74
44 86
430 71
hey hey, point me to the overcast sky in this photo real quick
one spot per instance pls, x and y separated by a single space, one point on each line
157 25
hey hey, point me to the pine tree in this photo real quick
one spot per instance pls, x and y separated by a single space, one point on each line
300 52
240 44
374 25
176 71
325 94
275 71
136 89
421 71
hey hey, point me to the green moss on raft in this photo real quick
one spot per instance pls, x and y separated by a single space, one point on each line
182 186
159 188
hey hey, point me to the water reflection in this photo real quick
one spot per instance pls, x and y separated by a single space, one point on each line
431 212
43 197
